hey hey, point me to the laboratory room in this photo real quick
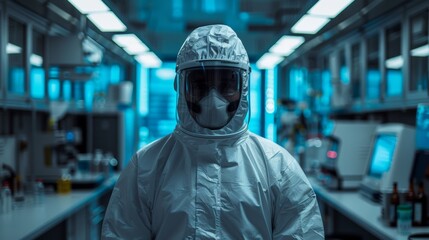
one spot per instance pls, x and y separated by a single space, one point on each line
214 119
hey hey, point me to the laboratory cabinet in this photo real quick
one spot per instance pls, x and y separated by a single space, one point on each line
417 28
381 65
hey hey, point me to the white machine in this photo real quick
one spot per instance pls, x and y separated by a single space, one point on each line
347 154
392 159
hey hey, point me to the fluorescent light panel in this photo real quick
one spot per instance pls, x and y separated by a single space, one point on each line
13 49
107 22
395 62
125 40
422 51
309 24
286 45
165 73
329 8
268 61
131 43
148 60
136 49
89 6
36 60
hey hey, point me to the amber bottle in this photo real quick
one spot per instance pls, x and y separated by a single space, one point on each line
394 202
410 198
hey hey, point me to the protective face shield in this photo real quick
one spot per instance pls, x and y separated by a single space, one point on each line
212 94
212 83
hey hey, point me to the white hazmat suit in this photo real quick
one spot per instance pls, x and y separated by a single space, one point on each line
212 178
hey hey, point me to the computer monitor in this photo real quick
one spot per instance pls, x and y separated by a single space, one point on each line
382 154
392 157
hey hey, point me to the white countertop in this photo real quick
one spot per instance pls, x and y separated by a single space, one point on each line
29 221
360 210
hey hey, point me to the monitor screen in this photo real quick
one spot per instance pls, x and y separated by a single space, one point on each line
382 154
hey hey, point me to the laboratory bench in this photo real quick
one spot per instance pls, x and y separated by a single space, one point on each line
74 215
350 214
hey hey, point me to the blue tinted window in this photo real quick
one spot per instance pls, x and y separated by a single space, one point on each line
344 75
255 101
78 91
394 82
162 102
16 81
67 90
373 75
89 94
297 84
373 84
54 89
15 48
37 83
326 88
115 74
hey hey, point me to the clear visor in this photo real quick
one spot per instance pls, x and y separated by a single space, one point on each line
200 81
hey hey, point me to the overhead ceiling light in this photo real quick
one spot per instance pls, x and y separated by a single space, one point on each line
148 60
13 49
89 6
286 45
131 43
422 51
107 22
136 49
165 73
125 40
395 62
309 24
36 60
329 8
268 61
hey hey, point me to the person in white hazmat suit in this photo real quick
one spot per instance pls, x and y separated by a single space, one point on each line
212 178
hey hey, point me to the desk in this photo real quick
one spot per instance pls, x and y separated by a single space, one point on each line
359 210
32 221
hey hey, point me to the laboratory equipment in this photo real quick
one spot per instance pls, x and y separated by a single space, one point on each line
314 152
347 153
8 157
56 155
392 157
54 151
8 152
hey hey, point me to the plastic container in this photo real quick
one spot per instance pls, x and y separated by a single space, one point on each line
39 191
404 219
6 199
64 183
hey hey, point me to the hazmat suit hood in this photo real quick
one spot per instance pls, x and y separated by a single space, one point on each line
213 45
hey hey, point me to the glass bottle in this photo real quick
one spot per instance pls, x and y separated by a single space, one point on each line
394 202
410 197
420 206
39 191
